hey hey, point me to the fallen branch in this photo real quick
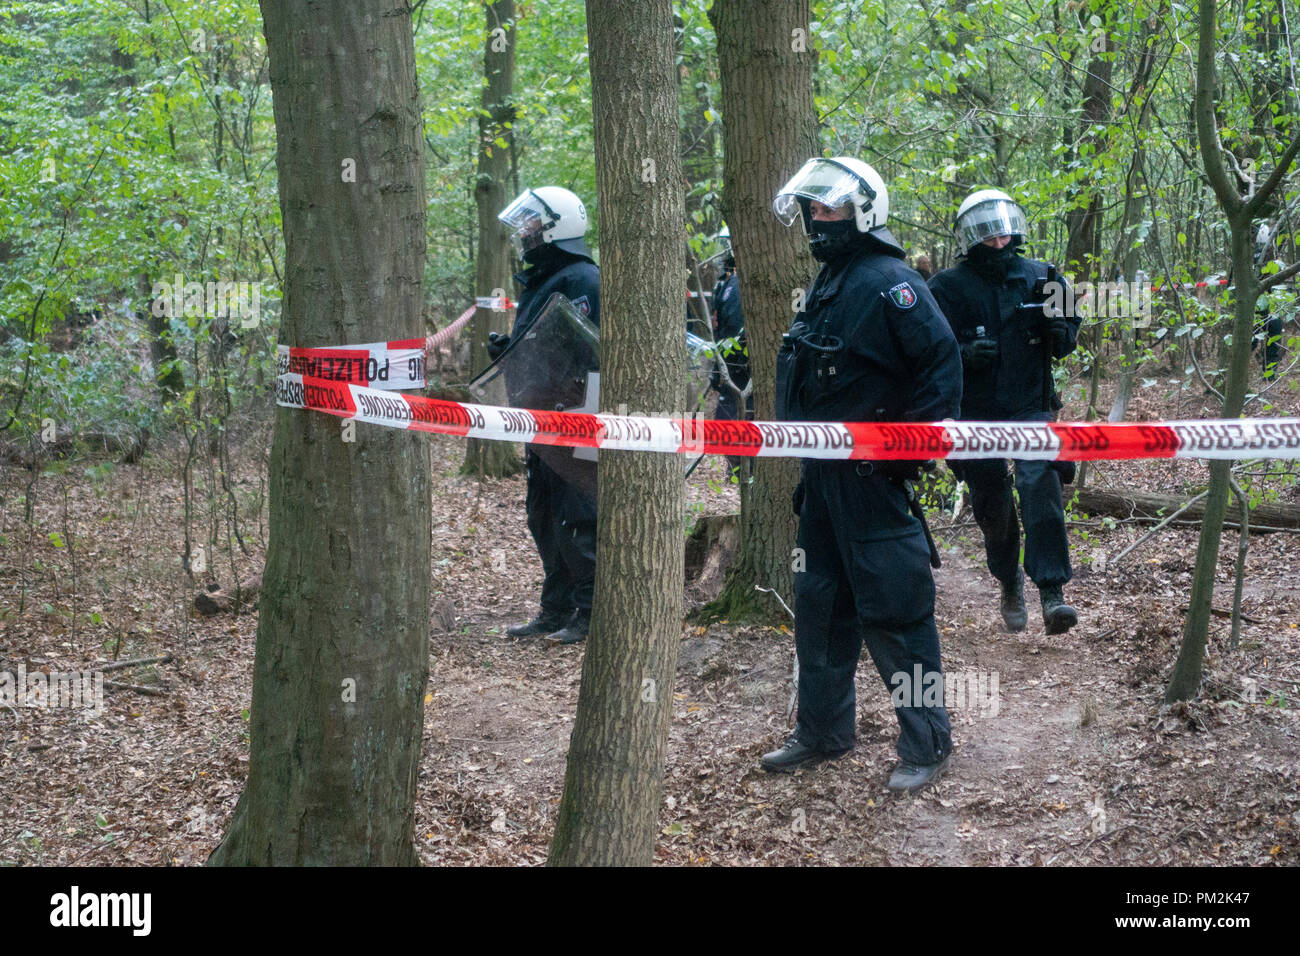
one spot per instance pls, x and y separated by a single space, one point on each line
1222 612
149 691
119 665
1150 506
1123 554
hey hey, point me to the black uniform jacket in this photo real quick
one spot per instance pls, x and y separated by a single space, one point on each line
976 306
729 323
577 278
897 359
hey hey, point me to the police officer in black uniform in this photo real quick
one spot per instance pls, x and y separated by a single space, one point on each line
871 345
729 325
549 223
1268 327
1011 325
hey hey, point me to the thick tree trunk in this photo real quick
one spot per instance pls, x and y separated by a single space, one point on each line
493 458
342 641
765 61
1082 219
609 812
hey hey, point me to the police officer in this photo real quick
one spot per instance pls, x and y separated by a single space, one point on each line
729 326
1011 326
1268 327
871 345
548 225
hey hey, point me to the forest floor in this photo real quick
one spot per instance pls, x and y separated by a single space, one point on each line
1078 762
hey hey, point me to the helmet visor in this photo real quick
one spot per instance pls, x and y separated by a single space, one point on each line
723 242
996 217
529 217
820 180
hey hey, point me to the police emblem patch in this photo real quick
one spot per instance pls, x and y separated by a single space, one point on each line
904 295
582 305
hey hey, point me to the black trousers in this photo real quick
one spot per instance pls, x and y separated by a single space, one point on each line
1038 483
865 578
1269 328
562 521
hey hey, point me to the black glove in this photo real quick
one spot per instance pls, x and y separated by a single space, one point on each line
796 499
1056 332
497 344
979 355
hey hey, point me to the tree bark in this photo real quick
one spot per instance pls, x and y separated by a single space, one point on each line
1082 219
765 61
612 787
342 640
493 458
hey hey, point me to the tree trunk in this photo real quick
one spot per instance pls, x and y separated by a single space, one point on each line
342 641
765 62
1082 219
1185 681
493 458
609 812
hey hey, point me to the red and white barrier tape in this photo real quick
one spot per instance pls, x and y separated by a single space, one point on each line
381 365
445 335
1073 441
1190 285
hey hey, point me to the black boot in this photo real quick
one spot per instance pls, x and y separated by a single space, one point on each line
575 632
911 777
796 754
542 624
1058 617
1014 615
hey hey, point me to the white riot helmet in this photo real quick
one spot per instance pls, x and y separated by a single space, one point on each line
723 239
547 214
986 214
834 182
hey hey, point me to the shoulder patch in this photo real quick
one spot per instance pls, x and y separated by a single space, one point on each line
904 295
582 304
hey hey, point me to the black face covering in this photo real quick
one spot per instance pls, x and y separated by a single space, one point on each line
541 254
991 262
830 241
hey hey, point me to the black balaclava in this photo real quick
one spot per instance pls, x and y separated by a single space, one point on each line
544 255
831 241
993 263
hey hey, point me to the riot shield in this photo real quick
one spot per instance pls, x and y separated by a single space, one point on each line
553 364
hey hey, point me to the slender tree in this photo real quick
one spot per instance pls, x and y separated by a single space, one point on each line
612 787
765 61
1240 211
492 270
342 640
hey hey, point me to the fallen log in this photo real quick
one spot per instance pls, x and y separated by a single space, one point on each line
217 600
1150 507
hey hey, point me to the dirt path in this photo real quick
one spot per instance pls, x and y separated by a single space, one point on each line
1077 765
